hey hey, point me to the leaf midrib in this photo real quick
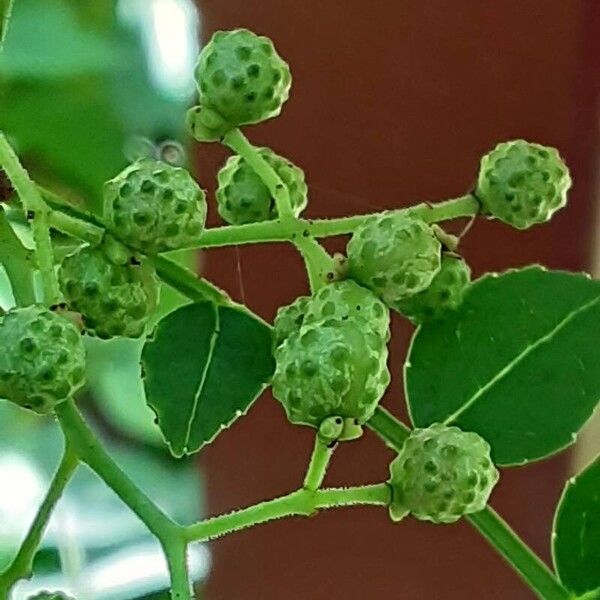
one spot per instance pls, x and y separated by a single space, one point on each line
211 349
519 358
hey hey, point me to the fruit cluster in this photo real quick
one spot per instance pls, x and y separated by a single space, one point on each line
331 354
330 348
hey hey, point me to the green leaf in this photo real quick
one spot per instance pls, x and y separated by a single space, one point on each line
576 537
203 367
518 364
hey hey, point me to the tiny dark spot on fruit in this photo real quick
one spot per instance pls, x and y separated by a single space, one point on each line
250 97
147 186
253 70
135 261
30 215
243 52
237 82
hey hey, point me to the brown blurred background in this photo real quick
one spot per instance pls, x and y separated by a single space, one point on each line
393 102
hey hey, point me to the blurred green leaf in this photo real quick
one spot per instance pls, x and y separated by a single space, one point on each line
65 103
203 367
518 364
35 51
576 538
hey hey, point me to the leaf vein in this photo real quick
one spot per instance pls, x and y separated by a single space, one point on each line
211 349
519 358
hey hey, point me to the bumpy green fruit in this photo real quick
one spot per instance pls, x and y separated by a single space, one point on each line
241 78
522 183
153 206
43 360
50 596
394 255
441 474
346 300
289 319
114 300
242 196
444 295
334 369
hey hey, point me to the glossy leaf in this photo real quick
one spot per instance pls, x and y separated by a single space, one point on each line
576 539
519 363
203 367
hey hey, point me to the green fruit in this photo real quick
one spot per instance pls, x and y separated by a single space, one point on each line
114 300
50 596
444 295
334 369
43 360
522 183
153 206
346 300
394 255
242 197
289 319
441 474
241 79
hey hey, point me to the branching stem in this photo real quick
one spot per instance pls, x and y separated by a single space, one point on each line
37 212
299 503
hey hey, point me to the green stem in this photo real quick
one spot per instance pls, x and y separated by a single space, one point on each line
18 263
319 461
298 503
176 554
278 231
75 227
251 233
182 279
495 530
21 566
38 212
464 206
316 259
391 430
238 142
90 451
271 231
522 559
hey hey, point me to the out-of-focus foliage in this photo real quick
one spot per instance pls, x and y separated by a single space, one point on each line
75 88
79 101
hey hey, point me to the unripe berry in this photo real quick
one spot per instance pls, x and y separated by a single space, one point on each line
334 369
43 360
441 474
522 183
241 79
153 206
114 300
348 301
444 295
289 319
242 197
394 255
